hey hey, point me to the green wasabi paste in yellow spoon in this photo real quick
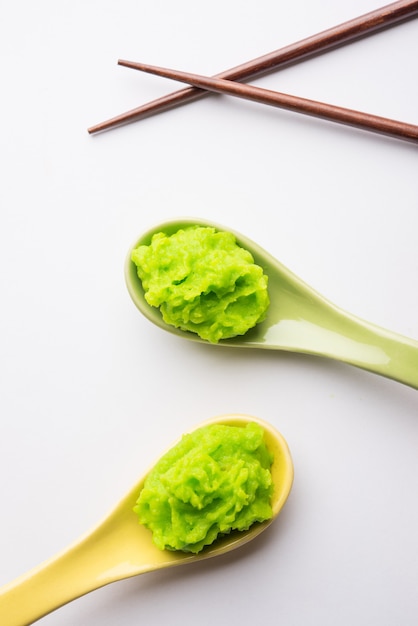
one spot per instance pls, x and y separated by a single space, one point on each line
217 479
208 464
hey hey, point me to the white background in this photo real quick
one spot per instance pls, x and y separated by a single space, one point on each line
91 392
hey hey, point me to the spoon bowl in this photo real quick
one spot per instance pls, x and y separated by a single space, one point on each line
120 547
298 319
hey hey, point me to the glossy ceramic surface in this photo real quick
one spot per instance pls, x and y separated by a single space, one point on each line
119 547
299 319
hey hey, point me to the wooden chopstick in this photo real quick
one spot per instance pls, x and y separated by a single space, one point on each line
365 121
346 32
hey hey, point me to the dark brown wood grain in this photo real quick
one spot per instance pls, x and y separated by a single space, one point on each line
358 119
329 39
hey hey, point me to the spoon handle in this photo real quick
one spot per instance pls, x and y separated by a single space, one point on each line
101 557
52 584
381 351
304 321
334 333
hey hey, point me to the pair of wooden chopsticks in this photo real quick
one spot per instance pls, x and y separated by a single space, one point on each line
226 81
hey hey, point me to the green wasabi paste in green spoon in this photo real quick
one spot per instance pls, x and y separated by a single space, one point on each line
297 318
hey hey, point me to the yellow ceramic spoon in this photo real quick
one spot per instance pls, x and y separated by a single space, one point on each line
119 547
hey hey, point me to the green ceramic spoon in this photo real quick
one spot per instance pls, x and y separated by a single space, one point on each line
120 547
299 319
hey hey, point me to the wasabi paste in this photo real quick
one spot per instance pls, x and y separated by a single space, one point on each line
203 282
215 480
